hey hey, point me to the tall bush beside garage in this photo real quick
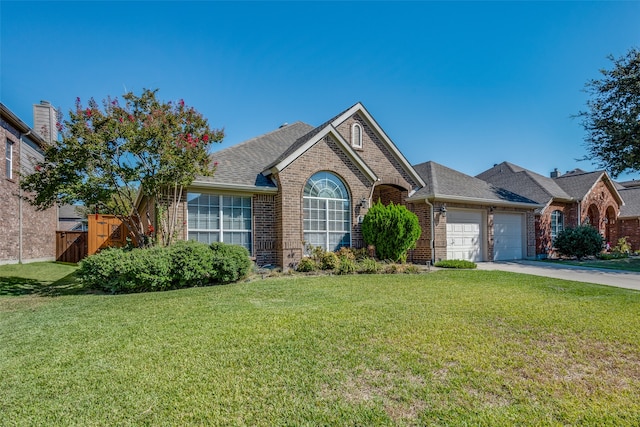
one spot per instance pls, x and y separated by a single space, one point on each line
392 229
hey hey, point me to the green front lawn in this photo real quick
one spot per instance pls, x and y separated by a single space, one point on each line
41 278
626 264
446 348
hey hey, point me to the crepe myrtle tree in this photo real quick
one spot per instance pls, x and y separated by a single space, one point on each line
110 152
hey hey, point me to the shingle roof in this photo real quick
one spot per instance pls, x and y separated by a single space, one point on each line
443 182
522 181
242 164
631 207
577 183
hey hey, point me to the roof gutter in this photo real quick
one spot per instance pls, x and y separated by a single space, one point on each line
233 187
493 202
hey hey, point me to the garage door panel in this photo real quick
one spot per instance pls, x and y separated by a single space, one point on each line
508 236
463 235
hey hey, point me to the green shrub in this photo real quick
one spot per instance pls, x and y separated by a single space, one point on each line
369 266
183 264
579 241
329 261
455 263
622 247
230 262
191 263
412 269
392 229
307 265
346 266
613 255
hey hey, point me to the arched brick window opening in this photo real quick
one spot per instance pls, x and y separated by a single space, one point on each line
326 212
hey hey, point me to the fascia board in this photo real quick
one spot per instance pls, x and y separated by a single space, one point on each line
359 108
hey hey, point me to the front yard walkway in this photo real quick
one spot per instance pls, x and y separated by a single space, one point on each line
620 279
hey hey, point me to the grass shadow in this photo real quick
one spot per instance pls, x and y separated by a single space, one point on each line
20 286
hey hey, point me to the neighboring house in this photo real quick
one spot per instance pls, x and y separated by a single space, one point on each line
298 187
568 200
628 223
27 234
70 219
473 219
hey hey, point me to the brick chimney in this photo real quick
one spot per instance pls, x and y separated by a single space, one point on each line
44 121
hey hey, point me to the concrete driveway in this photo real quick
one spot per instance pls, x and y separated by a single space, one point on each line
620 279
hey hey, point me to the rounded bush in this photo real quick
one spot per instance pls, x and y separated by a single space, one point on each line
306 265
346 266
191 263
329 261
230 262
580 241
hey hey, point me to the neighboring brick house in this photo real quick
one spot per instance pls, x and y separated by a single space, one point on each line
298 186
577 197
628 222
472 219
27 234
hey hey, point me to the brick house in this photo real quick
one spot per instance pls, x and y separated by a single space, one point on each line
300 186
628 222
568 200
27 234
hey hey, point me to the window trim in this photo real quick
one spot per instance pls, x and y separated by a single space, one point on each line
221 230
9 159
356 141
556 224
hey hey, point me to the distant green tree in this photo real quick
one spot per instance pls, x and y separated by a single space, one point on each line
108 152
392 229
580 241
612 120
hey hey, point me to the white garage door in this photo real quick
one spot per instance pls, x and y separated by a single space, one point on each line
507 236
464 235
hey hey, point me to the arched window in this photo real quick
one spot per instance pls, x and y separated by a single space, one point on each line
327 212
356 135
557 224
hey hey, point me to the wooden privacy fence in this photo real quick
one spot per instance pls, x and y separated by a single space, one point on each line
71 246
105 231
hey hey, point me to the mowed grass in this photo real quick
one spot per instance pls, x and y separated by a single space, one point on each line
39 278
445 348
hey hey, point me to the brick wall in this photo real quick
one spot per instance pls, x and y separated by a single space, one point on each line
38 227
265 229
629 228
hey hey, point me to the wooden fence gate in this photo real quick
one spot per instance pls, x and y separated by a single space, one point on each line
71 246
106 231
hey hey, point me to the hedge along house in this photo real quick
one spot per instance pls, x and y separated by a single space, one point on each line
472 219
299 186
568 200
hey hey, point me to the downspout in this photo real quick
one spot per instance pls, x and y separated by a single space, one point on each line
431 240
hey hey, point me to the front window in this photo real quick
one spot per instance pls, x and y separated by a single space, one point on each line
557 224
219 218
327 212
9 159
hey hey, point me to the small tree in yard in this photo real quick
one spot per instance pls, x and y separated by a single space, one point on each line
580 241
392 229
109 152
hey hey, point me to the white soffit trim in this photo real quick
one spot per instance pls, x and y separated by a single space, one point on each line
494 202
359 108
328 130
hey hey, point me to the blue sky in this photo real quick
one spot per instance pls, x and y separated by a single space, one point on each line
465 84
